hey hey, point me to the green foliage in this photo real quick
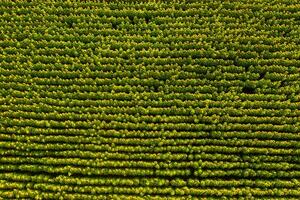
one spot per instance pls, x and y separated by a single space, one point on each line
139 100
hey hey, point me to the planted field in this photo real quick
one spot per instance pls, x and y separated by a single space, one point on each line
150 99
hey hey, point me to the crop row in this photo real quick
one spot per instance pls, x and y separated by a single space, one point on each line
111 133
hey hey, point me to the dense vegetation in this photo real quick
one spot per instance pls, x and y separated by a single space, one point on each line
150 99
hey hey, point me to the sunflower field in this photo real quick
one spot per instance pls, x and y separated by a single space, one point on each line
150 99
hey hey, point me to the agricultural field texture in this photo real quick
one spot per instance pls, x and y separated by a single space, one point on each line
134 100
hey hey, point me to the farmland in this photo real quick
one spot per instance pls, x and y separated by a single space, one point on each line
150 99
